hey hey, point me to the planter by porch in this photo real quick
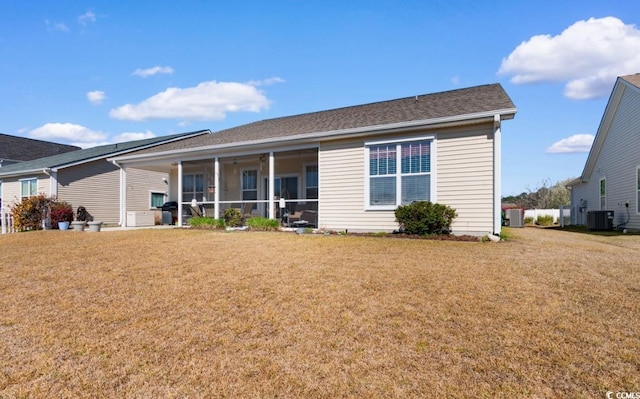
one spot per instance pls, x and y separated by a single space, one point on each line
63 225
95 226
78 225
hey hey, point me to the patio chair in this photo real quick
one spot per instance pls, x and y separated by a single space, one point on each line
247 210
307 219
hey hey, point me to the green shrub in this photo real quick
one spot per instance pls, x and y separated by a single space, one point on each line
206 223
264 224
425 217
544 220
233 217
61 212
528 220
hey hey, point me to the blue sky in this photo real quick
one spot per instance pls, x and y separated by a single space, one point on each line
90 73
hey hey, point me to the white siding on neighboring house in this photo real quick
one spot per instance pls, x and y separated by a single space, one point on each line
617 163
94 185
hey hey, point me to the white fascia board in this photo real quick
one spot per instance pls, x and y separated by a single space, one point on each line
334 134
24 172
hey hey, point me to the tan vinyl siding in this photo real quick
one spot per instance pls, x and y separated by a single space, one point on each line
12 188
140 184
94 185
465 177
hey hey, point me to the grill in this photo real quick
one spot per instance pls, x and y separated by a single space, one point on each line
169 212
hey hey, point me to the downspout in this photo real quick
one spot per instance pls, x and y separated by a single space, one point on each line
497 176
53 181
122 195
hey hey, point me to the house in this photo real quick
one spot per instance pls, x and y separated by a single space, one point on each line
349 168
86 178
610 180
15 149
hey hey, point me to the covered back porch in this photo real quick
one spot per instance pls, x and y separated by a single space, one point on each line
273 184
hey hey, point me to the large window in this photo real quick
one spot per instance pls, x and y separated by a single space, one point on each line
192 187
28 188
390 186
603 194
311 181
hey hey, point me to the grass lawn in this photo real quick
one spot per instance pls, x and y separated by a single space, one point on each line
201 314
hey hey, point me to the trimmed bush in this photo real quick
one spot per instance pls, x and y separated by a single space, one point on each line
425 217
264 224
528 220
233 217
206 223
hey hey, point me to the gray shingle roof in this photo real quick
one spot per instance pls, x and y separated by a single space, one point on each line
88 154
478 99
633 79
13 148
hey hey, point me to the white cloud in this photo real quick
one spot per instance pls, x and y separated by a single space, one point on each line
87 17
573 144
588 55
153 71
266 82
59 26
206 101
96 97
68 132
131 136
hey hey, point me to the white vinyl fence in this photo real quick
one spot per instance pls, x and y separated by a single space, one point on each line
565 211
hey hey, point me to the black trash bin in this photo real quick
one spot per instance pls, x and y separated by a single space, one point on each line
169 212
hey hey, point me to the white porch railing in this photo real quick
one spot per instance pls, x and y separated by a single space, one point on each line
6 218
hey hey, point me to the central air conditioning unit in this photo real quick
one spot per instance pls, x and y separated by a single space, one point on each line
600 220
514 217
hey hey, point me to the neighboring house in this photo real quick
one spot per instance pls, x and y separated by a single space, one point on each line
15 149
350 168
86 178
610 180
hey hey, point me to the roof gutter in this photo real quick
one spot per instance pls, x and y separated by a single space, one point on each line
487 116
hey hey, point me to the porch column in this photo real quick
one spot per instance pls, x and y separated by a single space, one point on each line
216 192
180 193
497 177
272 186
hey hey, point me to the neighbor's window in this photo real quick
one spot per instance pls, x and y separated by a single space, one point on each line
311 181
390 186
603 194
156 199
28 188
192 187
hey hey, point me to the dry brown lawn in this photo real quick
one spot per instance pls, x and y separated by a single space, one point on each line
200 314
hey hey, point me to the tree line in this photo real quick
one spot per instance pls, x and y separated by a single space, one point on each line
545 196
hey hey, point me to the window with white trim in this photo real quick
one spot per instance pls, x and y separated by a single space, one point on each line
390 185
28 188
156 199
603 194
